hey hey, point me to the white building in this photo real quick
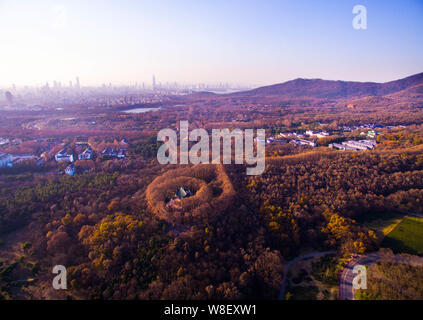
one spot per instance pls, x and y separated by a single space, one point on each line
276 141
3 141
121 153
70 170
310 132
302 142
321 134
370 143
5 160
124 142
87 154
354 145
63 155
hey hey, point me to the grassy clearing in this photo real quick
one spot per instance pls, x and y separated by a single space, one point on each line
406 237
382 224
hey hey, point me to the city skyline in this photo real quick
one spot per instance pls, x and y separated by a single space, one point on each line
74 84
250 42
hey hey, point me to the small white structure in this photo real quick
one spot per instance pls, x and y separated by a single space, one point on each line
63 155
321 134
302 142
121 153
276 141
87 154
4 141
5 160
70 170
310 133
124 142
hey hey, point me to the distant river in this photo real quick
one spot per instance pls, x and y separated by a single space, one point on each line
141 110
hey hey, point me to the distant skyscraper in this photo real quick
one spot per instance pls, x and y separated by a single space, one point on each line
77 83
9 98
154 82
70 84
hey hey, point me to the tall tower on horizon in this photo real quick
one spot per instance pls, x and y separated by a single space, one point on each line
77 83
154 82
9 98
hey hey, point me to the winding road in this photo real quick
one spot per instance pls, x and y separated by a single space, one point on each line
347 275
346 291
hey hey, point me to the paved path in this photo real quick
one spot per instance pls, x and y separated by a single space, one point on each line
289 263
345 291
347 275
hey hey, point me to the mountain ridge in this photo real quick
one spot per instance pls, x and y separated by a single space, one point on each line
333 89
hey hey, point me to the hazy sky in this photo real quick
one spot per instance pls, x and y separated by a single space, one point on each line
253 42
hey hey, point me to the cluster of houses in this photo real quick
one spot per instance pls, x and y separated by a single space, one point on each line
81 151
82 148
87 153
9 160
354 145
299 142
300 139
307 139
371 126
291 137
113 153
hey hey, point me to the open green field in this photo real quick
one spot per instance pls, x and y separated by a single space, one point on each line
382 224
406 237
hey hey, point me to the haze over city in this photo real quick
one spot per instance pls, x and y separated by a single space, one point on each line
245 42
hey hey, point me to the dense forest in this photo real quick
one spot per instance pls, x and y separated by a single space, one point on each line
112 226
118 246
